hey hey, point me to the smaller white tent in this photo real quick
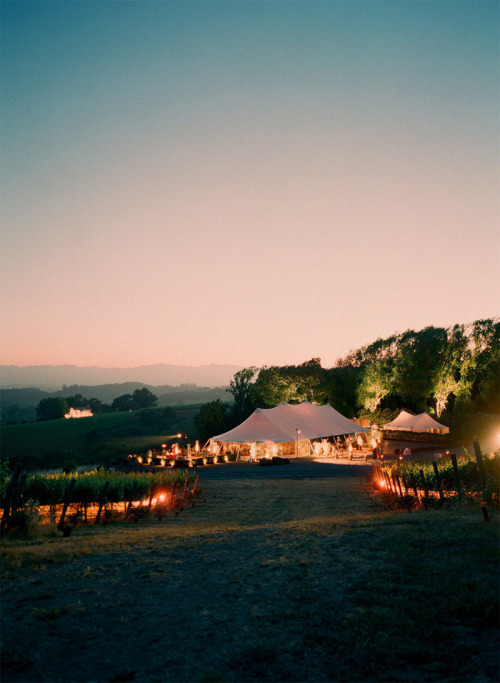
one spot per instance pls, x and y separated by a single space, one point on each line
406 422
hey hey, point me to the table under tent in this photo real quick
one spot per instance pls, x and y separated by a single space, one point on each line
287 430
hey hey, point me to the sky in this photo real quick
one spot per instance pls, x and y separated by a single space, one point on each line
253 183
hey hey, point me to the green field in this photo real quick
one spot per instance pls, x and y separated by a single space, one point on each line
95 440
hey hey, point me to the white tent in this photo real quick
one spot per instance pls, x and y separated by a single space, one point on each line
280 425
416 423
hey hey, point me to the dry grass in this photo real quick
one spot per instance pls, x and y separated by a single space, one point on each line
274 580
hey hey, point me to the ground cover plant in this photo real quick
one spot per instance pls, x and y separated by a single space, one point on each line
271 579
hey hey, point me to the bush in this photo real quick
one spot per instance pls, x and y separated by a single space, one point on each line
26 520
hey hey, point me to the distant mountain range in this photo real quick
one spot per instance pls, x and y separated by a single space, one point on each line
53 377
26 399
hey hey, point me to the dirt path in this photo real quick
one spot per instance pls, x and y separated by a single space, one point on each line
192 605
269 580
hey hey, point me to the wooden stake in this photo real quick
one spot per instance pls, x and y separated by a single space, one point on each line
185 490
152 494
195 484
457 476
173 494
131 500
389 482
426 490
9 496
414 484
405 484
438 480
485 513
102 501
19 492
480 464
67 500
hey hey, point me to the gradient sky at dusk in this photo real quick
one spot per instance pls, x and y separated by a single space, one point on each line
249 182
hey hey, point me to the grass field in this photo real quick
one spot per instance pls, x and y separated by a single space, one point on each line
268 580
98 439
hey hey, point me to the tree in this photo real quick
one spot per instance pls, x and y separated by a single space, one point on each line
212 419
417 365
271 388
123 403
449 381
340 387
375 384
52 408
241 389
77 401
96 406
145 398
291 383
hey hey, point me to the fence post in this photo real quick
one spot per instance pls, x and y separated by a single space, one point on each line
480 464
438 480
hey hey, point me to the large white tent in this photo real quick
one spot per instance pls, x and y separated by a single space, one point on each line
407 422
285 422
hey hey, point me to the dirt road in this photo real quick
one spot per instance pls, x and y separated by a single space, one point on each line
271 579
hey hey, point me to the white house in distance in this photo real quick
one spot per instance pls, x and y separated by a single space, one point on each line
79 412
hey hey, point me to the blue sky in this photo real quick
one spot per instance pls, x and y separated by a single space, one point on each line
247 182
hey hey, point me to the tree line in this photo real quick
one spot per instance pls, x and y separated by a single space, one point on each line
448 372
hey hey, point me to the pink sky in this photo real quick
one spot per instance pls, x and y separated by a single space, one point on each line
244 183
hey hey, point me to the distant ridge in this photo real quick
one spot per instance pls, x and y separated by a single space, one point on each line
53 377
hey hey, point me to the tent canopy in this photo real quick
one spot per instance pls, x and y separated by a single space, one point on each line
280 424
407 422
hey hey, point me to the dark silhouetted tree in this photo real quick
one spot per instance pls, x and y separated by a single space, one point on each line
241 389
145 398
211 420
52 408
123 403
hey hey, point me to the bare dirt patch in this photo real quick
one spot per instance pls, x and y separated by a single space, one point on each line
277 579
